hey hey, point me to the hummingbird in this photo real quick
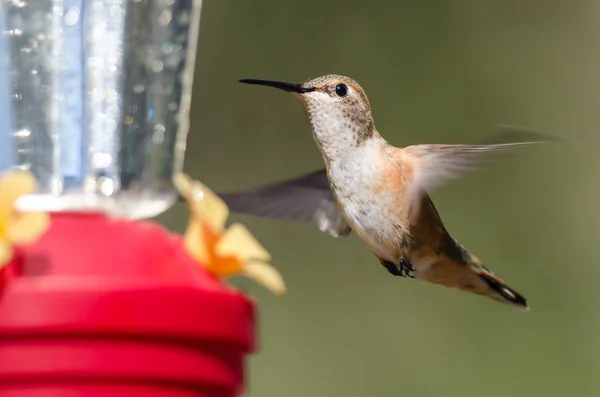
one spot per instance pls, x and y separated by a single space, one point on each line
377 190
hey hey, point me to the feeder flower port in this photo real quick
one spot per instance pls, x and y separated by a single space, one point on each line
223 251
18 228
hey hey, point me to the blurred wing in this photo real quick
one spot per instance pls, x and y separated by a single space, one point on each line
438 164
307 198
435 165
515 134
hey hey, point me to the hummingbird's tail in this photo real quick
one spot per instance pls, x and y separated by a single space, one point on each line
463 270
499 290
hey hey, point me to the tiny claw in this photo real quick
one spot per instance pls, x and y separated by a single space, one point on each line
403 269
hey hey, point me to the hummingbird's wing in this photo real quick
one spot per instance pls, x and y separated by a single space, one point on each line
434 165
306 198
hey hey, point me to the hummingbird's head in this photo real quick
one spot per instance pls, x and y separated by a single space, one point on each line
338 110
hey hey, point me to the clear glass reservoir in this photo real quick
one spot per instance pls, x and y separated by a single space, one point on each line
95 98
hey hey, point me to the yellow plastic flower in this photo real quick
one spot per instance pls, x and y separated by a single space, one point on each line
223 252
18 228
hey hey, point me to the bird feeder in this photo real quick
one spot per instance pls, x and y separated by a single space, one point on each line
95 299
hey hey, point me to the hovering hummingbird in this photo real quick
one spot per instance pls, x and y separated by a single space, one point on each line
377 190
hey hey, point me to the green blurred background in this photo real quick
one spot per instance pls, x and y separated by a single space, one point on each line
435 72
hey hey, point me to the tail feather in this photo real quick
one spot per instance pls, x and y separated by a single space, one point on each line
487 283
464 271
504 292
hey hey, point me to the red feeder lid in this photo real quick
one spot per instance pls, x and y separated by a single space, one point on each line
105 307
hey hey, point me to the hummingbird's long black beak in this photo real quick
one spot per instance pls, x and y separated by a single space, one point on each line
289 87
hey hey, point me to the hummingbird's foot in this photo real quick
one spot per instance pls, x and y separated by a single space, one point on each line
406 268
403 269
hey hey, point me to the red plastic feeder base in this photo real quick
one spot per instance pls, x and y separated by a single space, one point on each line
104 307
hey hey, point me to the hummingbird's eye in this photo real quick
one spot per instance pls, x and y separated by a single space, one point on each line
341 90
